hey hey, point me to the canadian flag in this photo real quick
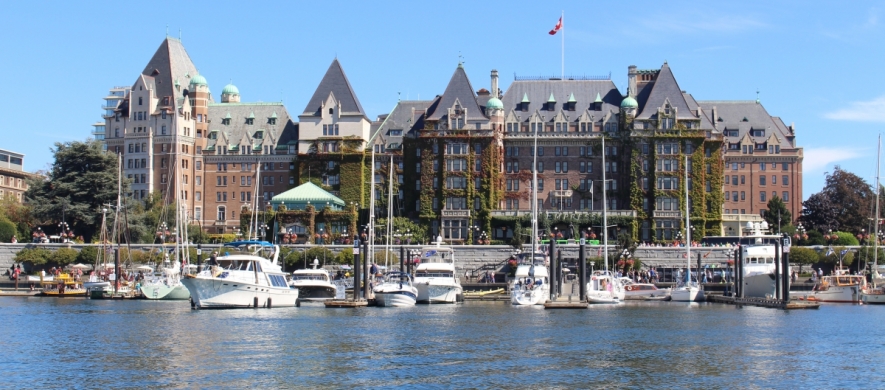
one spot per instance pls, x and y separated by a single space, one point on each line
558 26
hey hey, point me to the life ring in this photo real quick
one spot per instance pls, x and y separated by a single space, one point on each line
629 288
593 278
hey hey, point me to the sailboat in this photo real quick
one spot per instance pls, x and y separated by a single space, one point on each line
603 287
167 285
531 282
689 290
872 293
95 281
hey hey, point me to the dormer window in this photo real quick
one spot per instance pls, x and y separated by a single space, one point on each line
139 100
757 133
667 109
225 121
331 111
271 121
166 101
250 121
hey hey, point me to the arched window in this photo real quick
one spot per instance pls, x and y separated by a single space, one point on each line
221 213
331 111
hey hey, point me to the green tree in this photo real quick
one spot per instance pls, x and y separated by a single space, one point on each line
843 204
803 256
34 256
7 230
777 213
20 215
63 256
87 255
846 239
82 179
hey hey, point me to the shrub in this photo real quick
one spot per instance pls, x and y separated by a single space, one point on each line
87 255
63 256
35 256
7 230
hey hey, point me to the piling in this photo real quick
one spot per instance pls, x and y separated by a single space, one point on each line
582 271
786 267
553 265
402 259
778 272
365 270
357 269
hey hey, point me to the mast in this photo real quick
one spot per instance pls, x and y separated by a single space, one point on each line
534 199
253 221
371 254
389 210
876 218
687 231
604 208
117 221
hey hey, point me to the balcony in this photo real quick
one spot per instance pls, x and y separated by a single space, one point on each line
456 213
667 214
561 193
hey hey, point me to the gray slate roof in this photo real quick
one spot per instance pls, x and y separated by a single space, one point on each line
282 133
664 88
459 89
170 62
733 112
401 117
335 82
585 92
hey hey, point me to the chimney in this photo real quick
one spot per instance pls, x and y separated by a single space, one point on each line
495 83
631 80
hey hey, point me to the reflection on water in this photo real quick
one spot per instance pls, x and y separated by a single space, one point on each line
94 343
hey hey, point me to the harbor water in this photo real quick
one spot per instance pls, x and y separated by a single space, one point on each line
82 343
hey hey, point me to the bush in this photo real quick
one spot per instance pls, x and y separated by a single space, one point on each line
392 259
846 239
63 256
87 255
345 257
7 230
34 256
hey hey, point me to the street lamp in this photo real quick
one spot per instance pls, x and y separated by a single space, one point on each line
162 232
65 230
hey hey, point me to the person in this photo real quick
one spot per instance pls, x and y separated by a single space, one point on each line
374 270
213 259
14 240
16 274
820 273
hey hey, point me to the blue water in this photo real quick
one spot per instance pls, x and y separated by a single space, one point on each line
81 343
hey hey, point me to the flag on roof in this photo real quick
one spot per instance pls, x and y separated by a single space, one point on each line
557 27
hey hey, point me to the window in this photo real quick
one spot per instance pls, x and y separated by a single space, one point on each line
785 180
786 196
773 179
512 185
250 121
761 166
761 180
455 229
785 166
742 179
456 148
762 196
456 165
743 197
222 213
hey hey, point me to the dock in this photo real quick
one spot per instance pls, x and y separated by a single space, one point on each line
335 303
566 303
763 302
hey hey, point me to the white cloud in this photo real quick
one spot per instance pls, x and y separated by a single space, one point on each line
817 159
869 111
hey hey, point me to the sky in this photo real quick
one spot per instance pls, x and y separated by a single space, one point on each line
812 63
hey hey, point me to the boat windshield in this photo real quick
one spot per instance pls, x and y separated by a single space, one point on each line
538 259
436 255
399 277
433 274
308 277
239 265
254 248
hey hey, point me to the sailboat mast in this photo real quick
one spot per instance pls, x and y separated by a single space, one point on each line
371 227
253 221
604 207
389 210
876 218
687 231
534 198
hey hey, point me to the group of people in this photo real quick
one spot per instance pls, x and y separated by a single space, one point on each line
642 276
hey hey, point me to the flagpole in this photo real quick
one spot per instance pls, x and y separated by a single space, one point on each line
562 62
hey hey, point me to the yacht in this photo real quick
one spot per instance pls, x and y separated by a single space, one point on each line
313 284
759 263
435 277
643 291
396 291
604 288
248 274
165 286
531 283
838 288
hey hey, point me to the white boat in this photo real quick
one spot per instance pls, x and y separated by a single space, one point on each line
643 291
759 265
313 284
435 276
837 288
165 286
396 291
687 290
531 282
603 287
248 275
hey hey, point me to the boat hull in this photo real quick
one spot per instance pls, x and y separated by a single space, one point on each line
687 295
526 297
604 297
760 286
316 293
395 298
167 293
430 292
836 294
212 293
876 298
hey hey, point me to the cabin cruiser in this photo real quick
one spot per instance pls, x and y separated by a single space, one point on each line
313 284
643 291
759 260
435 277
531 282
603 287
838 288
396 291
247 274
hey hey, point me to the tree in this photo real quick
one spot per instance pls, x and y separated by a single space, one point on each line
843 204
7 230
82 179
803 256
777 214
63 256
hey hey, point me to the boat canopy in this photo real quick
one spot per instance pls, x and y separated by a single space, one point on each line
237 244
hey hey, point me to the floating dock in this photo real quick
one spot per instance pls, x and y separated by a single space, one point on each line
763 302
345 304
566 303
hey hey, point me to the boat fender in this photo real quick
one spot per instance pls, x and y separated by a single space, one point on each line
255 302
268 303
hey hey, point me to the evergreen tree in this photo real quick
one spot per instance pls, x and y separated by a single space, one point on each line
777 214
82 179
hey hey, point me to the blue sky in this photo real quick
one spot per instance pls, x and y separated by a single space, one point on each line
815 64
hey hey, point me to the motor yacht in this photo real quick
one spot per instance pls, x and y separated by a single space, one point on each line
313 284
837 288
603 287
643 291
247 274
435 277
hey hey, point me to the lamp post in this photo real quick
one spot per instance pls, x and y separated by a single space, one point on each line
63 228
162 232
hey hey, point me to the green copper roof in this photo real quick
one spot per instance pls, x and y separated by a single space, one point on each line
629 102
251 115
298 197
525 98
230 89
598 98
551 99
274 115
571 98
228 116
198 80
495 103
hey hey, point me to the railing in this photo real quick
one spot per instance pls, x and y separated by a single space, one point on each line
667 214
456 213
545 78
